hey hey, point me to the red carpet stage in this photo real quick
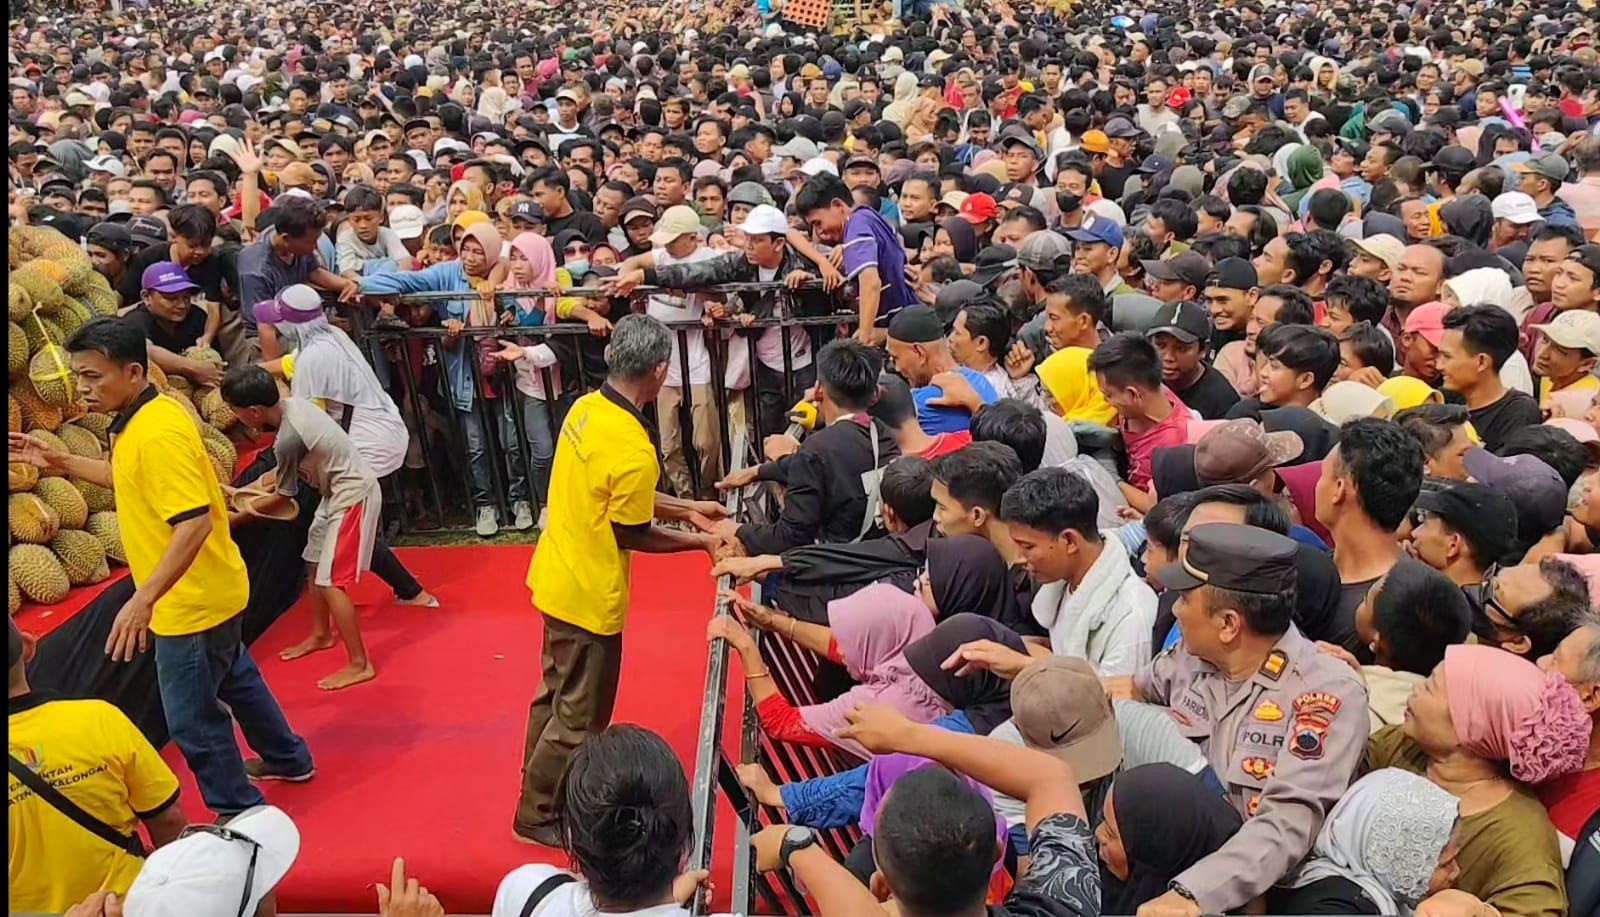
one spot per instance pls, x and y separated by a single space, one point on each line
424 762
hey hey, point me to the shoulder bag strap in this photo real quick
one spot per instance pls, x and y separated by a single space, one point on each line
543 891
58 801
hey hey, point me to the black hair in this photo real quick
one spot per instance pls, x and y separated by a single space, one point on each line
118 340
1296 308
1366 299
1303 349
1573 235
1485 329
1053 500
1176 217
894 404
1084 295
623 813
161 193
1212 206
1551 445
1432 425
554 176
907 488
1031 217
210 176
1216 246
1127 359
979 474
1264 227
935 842
819 192
193 223
1014 423
1385 464
249 387
985 320
361 198
161 153
1163 525
298 217
1247 187
1328 208
1419 612
1371 346
1308 250
1260 511
1548 621
848 372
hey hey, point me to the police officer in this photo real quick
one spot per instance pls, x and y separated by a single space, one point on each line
1283 725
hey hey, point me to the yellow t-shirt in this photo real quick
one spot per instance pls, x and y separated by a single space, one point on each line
162 477
1586 383
90 752
605 472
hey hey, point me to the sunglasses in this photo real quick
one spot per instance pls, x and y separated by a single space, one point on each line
218 831
577 250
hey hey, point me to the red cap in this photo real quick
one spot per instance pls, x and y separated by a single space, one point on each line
978 207
1178 97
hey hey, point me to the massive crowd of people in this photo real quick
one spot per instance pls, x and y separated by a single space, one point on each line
1201 512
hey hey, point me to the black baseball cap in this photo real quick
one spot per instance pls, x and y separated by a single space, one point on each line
1533 487
917 324
955 296
1238 558
528 211
1484 516
991 262
930 81
1358 149
112 236
1155 164
1233 274
1187 267
636 206
147 230
1185 320
854 108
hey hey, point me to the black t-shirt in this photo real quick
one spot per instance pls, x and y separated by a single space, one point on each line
1211 395
1332 895
1344 625
1513 411
178 339
217 276
584 222
1114 180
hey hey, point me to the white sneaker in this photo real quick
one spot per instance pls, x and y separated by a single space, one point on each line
544 518
488 523
523 516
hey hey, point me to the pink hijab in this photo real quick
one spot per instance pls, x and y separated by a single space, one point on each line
1506 709
872 628
542 259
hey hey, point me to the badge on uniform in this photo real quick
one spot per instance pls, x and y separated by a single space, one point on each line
1313 711
1259 768
1275 664
1251 806
1268 712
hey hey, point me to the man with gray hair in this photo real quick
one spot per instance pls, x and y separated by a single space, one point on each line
1572 799
603 503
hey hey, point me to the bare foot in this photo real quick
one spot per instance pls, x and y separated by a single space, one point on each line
424 599
347 676
312 644
755 779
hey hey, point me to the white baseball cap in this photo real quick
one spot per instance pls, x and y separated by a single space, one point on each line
110 165
1575 329
1515 207
207 872
818 165
407 221
765 220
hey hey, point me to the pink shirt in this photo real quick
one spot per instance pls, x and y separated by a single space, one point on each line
1173 430
1584 196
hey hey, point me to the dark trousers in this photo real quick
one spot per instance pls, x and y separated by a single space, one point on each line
576 697
203 678
389 569
773 401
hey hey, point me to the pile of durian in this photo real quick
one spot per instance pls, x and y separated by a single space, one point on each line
62 531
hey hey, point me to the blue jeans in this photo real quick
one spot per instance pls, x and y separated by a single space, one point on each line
198 674
478 454
541 444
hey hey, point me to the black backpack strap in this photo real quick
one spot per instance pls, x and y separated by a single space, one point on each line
56 800
543 891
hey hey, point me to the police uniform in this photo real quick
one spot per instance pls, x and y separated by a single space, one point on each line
1285 743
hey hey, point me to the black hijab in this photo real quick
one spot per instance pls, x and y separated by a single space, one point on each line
1168 819
962 239
1172 471
967 574
1318 435
983 696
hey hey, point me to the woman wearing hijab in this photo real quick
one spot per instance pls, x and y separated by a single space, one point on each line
532 266
1065 376
956 239
917 240
1385 846
462 196
1301 169
1159 820
965 574
870 631
905 92
1485 726
1172 471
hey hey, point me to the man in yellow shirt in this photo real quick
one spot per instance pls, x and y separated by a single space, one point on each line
1564 356
602 503
191 582
95 764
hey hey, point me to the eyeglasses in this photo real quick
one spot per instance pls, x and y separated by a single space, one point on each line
577 250
1507 620
218 831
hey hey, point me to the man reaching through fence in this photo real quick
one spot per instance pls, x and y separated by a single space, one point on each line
603 501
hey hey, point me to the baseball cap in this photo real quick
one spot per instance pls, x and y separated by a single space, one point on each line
1384 247
861 161
202 872
1094 142
147 230
1059 707
1015 195
1018 139
1238 558
1097 229
1358 149
1041 248
930 81
1454 159
916 324
764 220
293 305
817 165
1544 165
1155 164
991 262
1241 450
1516 207
167 277
1576 329
1184 320
677 221
976 208
749 192
1428 321
1588 256
297 175
113 236
1186 267
527 211
1179 97
568 93
955 296
408 221
1534 488
1121 129
109 165
290 147
1486 517
953 200
797 147
636 207
1232 274
1389 121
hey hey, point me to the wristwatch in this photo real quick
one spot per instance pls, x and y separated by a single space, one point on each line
796 838
1182 892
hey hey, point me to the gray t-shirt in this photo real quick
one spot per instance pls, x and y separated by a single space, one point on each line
263 275
311 446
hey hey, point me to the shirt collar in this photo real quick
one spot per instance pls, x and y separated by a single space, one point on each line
616 398
25 702
125 415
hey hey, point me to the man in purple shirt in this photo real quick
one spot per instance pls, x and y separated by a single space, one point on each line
873 257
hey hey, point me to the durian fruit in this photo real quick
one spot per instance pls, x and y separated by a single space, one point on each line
215 410
64 499
180 386
80 441
40 331
14 252
18 303
204 355
54 444
101 300
20 477
50 371
104 526
13 414
157 375
13 594
36 414
98 498
74 410
38 573
42 282
72 316
221 451
101 573
98 424
80 555
17 349
31 520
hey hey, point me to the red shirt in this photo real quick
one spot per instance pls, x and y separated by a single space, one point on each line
946 443
1571 800
1173 430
